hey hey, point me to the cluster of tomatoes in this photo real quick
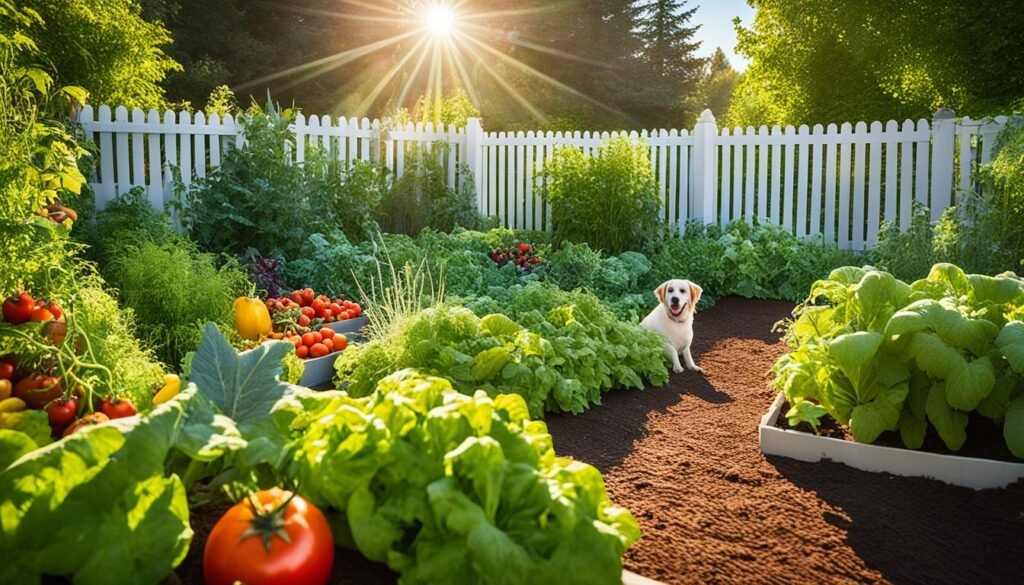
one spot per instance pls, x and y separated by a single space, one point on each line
313 307
314 343
523 255
42 390
65 410
22 308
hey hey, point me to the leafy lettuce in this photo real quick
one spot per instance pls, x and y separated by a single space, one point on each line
452 488
877 354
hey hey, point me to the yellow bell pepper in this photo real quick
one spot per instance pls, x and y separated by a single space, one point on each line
172 385
252 318
12 405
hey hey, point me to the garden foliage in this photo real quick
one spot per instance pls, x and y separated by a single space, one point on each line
609 201
453 488
877 354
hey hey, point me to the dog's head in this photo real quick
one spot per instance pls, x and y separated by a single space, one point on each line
679 298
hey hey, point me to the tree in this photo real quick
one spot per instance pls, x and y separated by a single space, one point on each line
714 92
815 61
106 47
672 70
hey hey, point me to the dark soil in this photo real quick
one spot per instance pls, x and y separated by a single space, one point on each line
685 460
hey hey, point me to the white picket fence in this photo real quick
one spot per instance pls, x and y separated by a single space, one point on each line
839 182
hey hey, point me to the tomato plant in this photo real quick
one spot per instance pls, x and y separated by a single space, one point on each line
272 538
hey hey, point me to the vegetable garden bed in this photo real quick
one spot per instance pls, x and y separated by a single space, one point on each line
713 509
972 472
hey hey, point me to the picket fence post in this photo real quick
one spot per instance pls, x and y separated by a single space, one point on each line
943 148
474 157
705 161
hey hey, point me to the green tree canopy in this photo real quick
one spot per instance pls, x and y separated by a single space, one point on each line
106 47
834 61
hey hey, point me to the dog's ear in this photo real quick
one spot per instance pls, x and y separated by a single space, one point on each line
695 292
660 291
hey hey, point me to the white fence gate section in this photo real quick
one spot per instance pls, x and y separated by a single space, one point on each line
839 182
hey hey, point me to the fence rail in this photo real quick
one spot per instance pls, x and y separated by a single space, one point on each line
839 182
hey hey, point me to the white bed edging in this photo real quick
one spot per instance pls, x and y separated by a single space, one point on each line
968 472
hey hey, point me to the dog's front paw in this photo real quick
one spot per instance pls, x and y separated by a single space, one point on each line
678 369
697 369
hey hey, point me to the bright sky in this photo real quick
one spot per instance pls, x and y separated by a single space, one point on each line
715 18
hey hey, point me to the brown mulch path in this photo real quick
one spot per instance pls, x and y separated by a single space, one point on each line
685 460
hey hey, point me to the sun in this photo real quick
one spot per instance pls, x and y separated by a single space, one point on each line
440 20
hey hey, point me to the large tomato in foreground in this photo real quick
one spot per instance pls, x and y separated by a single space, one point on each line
271 538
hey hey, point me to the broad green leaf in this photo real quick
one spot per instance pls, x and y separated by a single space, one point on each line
1011 344
912 429
244 387
869 420
806 411
96 505
498 325
855 350
14 444
967 382
489 363
1013 427
951 424
952 277
33 423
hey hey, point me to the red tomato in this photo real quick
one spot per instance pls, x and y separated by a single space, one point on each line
18 308
56 310
340 342
328 314
246 544
117 408
298 298
345 315
62 412
326 333
337 309
329 344
318 350
308 296
303 321
317 338
307 339
87 420
7 371
302 351
346 304
309 312
37 391
42 314
318 305
358 310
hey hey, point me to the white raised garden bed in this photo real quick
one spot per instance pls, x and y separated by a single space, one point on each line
963 471
320 371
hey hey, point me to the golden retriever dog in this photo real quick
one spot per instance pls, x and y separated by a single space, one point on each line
673 319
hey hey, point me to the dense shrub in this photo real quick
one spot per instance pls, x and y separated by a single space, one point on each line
128 220
609 201
756 261
174 290
422 197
